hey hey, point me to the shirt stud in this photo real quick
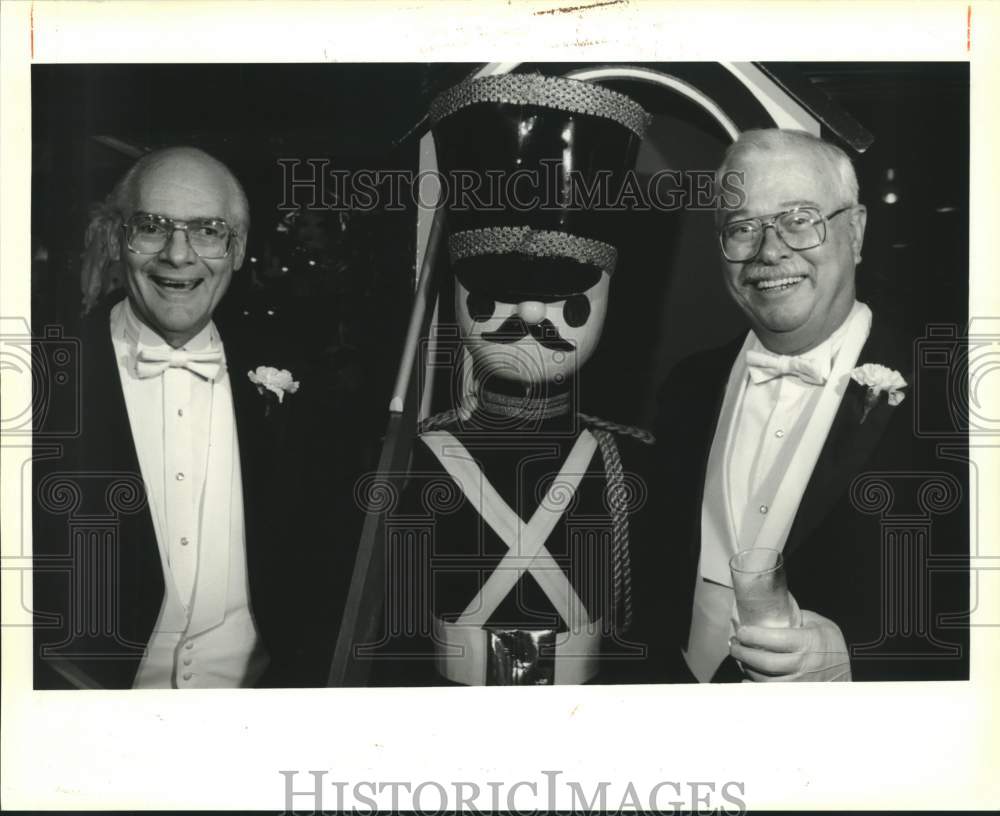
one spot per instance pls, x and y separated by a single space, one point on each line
763 509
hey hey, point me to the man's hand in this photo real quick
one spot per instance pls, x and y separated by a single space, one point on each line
814 651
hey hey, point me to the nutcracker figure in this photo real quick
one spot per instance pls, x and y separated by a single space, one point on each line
530 566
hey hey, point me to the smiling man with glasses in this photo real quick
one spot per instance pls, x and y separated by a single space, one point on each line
763 442
204 578
185 219
790 249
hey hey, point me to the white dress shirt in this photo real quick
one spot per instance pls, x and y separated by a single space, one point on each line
769 425
760 440
185 438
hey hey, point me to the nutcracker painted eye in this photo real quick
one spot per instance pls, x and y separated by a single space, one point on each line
576 310
480 306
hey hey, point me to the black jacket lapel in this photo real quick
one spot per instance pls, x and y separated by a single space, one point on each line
102 459
251 433
141 572
689 405
260 435
852 439
259 429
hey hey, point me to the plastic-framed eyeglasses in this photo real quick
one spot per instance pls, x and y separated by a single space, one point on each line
799 228
149 233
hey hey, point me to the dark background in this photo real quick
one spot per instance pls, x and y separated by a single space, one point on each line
340 282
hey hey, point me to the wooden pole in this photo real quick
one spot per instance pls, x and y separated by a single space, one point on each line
365 597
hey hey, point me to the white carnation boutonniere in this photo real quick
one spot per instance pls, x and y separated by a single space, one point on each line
878 380
273 383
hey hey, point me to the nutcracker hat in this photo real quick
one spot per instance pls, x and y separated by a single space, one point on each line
531 165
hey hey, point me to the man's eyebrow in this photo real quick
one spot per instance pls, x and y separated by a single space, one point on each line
193 218
742 213
800 202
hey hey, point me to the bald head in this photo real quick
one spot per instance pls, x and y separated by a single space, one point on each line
201 178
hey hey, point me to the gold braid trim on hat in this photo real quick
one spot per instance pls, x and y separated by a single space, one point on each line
572 96
528 241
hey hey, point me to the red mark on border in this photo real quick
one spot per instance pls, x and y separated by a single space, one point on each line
968 29
32 19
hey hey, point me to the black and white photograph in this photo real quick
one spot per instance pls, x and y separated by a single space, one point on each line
359 389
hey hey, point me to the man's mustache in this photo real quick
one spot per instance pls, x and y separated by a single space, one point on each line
514 328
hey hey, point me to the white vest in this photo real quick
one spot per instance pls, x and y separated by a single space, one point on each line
204 636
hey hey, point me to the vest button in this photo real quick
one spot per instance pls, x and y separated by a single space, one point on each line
187 675
763 509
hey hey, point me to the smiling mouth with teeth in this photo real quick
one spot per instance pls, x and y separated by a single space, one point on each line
777 284
176 285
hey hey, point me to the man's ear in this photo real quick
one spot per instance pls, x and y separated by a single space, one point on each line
239 250
858 221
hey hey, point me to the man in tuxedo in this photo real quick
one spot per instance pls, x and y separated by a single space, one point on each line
778 440
173 536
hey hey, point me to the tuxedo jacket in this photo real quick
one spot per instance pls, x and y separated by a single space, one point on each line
879 543
98 580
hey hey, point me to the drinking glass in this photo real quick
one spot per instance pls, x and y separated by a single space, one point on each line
762 597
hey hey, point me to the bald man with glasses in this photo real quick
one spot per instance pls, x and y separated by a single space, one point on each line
190 555
783 439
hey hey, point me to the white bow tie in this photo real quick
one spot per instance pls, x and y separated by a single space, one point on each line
765 366
153 362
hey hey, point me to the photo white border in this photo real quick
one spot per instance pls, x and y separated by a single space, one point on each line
918 745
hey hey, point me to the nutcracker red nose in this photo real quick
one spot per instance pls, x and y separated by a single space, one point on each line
531 311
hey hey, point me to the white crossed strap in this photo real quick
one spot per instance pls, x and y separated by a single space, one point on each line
525 543
526 552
